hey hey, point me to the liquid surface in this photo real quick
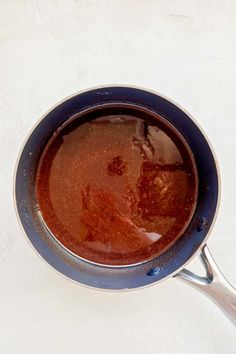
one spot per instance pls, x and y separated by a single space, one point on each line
116 190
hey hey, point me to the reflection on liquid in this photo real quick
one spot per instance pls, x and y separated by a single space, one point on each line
117 190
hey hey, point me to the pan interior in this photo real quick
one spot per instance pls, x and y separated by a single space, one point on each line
117 185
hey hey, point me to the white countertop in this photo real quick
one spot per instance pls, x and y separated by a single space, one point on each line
184 49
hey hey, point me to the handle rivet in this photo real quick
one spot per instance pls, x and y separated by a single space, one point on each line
153 271
202 224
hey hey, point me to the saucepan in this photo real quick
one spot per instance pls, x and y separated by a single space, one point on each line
172 262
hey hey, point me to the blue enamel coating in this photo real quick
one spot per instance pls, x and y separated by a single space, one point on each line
129 276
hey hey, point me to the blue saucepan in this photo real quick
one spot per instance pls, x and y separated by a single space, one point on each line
170 263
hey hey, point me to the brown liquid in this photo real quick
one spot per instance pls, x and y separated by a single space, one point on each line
117 189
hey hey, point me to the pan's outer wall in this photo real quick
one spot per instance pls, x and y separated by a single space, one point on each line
126 277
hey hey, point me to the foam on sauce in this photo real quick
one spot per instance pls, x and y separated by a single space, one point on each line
117 189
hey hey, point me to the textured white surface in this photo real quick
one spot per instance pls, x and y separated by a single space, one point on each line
50 49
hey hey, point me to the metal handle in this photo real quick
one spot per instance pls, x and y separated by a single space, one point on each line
214 285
